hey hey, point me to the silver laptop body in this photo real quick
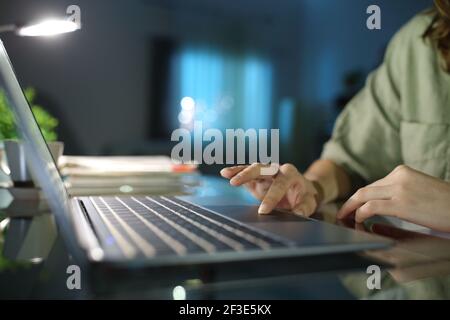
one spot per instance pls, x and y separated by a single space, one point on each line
163 231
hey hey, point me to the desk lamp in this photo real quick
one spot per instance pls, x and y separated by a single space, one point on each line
50 27
44 28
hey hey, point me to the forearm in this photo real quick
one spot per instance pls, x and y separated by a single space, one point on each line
333 180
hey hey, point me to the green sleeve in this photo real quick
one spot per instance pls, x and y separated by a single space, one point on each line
366 137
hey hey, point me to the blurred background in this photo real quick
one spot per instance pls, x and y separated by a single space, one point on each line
139 69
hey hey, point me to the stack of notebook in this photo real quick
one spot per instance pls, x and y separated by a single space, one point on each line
85 175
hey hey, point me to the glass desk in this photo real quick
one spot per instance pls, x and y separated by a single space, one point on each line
34 261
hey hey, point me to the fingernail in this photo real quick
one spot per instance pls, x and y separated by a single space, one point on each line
263 209
301 213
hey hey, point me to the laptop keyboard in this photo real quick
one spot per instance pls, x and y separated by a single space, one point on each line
158 225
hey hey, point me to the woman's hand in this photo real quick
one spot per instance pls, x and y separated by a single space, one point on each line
287 189
406 194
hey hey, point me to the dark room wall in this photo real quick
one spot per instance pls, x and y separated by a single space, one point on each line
334 40
96 80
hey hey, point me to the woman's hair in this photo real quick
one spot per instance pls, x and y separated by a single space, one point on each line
439 30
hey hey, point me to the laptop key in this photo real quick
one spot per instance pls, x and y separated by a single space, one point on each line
168 225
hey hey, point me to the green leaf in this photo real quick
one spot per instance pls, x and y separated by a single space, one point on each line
47 123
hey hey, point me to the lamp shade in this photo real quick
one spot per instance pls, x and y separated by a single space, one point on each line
47 28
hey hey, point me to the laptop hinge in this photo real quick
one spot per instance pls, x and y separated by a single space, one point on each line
84 231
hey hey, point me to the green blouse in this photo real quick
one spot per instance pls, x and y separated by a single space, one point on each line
402 116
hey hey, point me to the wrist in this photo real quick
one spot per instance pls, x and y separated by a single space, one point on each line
329 178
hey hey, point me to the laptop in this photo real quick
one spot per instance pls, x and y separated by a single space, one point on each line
162 231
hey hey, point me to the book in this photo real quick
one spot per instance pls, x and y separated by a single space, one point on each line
112 175
121 165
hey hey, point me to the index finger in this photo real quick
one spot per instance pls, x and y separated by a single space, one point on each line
230 172
276 192
362 196
248 174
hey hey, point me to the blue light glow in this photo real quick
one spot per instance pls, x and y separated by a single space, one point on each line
228 90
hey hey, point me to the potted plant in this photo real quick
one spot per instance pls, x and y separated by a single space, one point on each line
9 139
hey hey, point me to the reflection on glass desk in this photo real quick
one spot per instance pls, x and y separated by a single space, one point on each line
33 263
